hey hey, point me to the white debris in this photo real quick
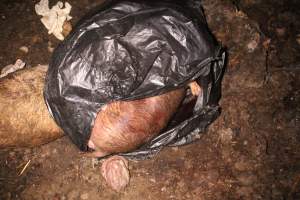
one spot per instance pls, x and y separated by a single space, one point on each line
12 68
24 49
252 45
54 18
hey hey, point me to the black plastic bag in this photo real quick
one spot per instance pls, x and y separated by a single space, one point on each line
128 50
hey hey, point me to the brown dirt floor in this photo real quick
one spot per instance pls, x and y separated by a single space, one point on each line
251 151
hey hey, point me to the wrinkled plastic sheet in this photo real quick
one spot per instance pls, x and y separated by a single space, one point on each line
127 50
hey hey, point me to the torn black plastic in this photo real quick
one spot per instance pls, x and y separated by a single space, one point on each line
129 50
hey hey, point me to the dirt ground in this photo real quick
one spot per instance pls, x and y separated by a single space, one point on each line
252 151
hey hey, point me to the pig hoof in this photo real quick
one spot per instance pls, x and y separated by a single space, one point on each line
115 172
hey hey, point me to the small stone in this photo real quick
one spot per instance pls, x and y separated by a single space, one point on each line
54 151
152 180
24 49
163 189
251 46
84 196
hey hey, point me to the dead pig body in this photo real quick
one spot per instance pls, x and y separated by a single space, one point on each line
121 126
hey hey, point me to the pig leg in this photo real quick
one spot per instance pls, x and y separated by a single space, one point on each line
115 172
24 118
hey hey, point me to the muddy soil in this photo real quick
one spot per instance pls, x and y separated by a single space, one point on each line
251 151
